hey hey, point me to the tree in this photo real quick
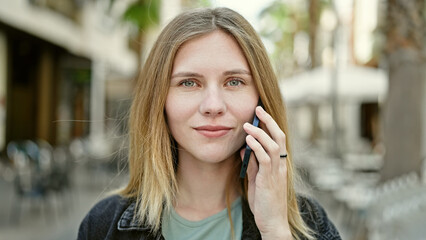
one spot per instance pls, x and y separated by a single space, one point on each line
281 21
284 23
142 14
314 11
405 33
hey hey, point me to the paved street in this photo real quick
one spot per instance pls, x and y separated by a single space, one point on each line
59 216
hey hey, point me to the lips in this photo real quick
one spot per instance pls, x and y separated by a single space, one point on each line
213 131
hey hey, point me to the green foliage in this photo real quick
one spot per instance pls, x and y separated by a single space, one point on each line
80 77
282 22
143 13
196 3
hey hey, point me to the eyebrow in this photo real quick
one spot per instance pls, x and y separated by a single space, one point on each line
186 74
237 71
226 73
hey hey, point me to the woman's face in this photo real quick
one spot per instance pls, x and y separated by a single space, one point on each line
212 94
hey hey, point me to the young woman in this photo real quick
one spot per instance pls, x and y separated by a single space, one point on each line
190 120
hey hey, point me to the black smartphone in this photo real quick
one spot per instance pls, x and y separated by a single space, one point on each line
248 150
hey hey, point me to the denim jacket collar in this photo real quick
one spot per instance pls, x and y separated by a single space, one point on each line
128 221
118 221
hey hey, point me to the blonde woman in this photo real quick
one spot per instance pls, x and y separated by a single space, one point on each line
189 122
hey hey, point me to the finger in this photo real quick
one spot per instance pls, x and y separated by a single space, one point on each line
276 134
252 167
275 131
261 155
282 168
270 146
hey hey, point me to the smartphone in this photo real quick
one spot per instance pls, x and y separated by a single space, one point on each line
248 150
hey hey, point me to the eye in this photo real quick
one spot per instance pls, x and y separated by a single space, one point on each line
188 83
235 82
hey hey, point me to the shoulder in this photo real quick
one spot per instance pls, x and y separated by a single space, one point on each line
316 218
102 219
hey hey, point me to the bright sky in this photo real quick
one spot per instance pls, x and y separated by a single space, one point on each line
250 10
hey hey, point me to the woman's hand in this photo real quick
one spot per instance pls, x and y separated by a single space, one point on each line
267 177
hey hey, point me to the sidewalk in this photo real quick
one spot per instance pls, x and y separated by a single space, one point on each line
59 216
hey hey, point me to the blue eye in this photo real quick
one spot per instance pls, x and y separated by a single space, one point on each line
234 82
188 83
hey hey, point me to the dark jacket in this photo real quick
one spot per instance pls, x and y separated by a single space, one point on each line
112 218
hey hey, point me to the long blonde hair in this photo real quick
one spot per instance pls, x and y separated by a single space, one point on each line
152 153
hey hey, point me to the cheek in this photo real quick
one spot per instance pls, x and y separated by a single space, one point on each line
244 107
172 113
178 111
248 114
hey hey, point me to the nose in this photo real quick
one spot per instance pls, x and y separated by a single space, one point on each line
213 103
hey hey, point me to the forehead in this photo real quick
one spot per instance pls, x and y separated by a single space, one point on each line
216 48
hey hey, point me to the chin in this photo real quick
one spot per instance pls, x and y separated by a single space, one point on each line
216 159
215 156
213 152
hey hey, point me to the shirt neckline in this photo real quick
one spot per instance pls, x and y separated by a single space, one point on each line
194 224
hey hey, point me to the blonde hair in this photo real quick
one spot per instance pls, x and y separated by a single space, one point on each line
152 153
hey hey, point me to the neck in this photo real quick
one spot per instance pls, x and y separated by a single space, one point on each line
202 187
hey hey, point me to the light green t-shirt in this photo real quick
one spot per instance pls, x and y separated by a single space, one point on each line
217 226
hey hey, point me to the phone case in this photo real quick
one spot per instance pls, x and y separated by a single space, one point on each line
248 150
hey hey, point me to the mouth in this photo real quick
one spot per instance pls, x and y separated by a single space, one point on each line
213 131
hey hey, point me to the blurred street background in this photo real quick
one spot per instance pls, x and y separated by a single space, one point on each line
352 73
